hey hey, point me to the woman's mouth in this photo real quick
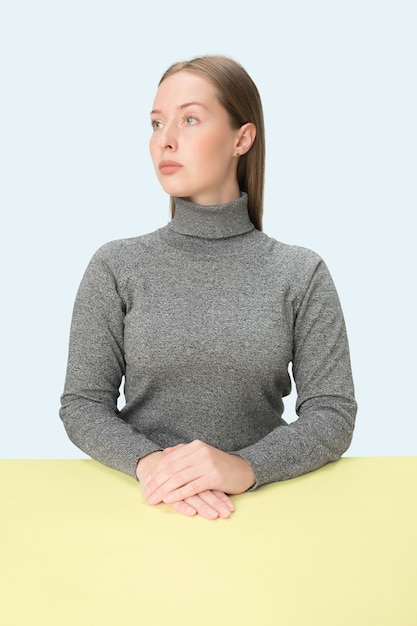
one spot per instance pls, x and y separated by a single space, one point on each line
169 167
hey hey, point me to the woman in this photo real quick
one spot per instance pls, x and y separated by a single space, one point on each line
203 317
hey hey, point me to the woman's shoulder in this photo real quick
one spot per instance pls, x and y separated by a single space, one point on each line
295 266
119 256
124 247
291 255
127 244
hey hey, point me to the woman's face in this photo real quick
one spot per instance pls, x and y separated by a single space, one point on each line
193 145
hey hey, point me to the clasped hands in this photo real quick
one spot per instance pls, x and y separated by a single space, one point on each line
194 478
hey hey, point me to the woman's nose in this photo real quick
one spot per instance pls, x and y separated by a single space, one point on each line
168 138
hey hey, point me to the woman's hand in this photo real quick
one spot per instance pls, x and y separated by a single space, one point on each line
209 504
187 470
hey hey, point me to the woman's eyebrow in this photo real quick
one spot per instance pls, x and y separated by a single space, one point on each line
189 104
181 106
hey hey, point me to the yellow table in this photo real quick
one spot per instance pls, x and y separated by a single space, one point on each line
80 546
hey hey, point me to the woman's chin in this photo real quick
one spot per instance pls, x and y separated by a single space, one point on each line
175 190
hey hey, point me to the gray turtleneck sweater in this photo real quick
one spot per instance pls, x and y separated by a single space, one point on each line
201 319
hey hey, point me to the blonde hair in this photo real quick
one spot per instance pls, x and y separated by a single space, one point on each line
239 95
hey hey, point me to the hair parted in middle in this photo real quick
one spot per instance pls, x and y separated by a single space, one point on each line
238 94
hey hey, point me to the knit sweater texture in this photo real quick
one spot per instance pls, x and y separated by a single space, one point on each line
200 322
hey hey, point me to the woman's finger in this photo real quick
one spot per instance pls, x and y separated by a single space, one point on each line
211 505
218 501
185 508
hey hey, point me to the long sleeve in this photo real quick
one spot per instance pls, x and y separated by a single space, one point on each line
95 370
325 406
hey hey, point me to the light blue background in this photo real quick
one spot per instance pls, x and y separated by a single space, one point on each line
338 83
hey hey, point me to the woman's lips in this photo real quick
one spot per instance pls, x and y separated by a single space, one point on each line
169 167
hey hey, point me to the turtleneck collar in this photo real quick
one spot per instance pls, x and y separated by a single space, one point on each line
218 221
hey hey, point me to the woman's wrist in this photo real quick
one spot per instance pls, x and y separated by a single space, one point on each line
246 472
145 464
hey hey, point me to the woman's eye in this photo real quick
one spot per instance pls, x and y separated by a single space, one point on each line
155 124
190 120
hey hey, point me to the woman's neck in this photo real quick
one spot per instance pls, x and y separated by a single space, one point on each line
218 221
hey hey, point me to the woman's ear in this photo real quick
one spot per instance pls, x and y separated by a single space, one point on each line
246 137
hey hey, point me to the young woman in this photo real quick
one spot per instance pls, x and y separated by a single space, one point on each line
203 318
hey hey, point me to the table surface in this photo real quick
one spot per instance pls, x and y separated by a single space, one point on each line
80 546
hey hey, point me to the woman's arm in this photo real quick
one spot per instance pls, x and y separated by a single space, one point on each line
94 373
326 405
